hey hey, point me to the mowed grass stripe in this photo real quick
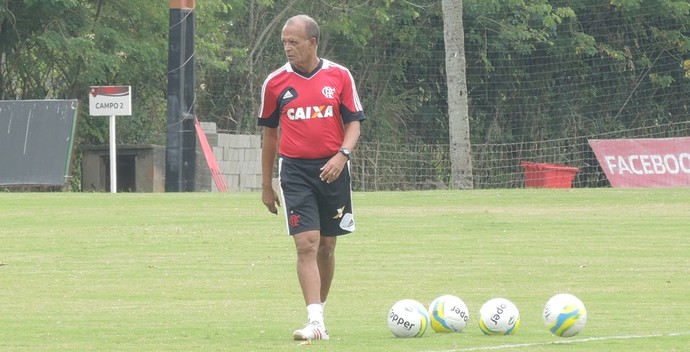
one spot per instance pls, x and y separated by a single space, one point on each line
201 271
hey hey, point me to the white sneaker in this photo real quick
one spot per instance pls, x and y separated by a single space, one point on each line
311 331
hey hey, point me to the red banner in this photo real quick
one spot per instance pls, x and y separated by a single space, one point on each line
210 158
649 162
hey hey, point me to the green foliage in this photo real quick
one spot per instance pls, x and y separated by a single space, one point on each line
57 49
536 69
503 38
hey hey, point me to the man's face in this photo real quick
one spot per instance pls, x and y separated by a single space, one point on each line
299 50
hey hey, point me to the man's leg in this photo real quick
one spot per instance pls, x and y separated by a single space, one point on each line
326 261
307 246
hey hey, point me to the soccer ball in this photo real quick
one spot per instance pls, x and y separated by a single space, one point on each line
448 313
499 316
408 318
565 315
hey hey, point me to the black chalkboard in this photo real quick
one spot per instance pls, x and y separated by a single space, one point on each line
36 141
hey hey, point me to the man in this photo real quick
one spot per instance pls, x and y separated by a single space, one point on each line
315 103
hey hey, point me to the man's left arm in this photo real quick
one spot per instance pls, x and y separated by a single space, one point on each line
335 165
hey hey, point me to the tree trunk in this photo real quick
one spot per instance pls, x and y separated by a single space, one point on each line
458 112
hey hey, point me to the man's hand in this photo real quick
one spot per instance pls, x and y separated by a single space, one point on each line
270 199
331 171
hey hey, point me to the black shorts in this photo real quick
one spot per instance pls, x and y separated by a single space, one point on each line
312 204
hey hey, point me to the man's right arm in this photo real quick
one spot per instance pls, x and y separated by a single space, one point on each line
269 150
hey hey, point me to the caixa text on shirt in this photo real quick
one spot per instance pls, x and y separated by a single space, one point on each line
310 112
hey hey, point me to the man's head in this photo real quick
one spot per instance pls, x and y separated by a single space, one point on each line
300 37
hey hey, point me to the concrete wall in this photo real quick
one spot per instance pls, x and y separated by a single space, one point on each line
238 157
143 166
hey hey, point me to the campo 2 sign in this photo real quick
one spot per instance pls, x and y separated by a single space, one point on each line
110 101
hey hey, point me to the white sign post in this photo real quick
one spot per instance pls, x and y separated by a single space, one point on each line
111 101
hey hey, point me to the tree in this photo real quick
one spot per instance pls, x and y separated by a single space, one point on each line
536 70
56 49
458 114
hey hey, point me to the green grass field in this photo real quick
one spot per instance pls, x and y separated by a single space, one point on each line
215 272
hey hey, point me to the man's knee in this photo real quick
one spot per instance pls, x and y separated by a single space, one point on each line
327 247
307 242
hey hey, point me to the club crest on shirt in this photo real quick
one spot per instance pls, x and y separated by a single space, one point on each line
328 92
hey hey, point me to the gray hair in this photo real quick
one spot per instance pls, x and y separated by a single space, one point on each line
310 25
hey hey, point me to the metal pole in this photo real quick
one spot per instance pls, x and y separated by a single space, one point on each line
180 156
113 156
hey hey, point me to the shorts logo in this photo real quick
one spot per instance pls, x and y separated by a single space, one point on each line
328 92
293 220
347 222
339 213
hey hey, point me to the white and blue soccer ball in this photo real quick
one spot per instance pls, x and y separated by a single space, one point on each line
448 313
565 315
408 318
499 316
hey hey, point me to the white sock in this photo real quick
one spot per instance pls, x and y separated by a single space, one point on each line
323 313
315 313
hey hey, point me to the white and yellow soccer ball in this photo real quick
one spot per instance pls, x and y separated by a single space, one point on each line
448 313
499 316
565 315
408 318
